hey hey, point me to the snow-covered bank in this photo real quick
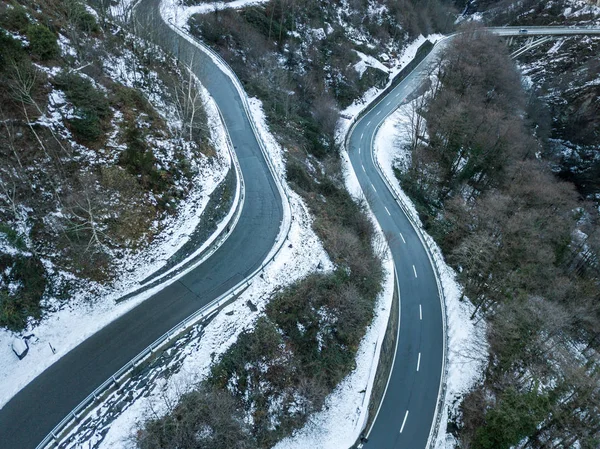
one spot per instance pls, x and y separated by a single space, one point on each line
66 327
173 11
397 64
467 352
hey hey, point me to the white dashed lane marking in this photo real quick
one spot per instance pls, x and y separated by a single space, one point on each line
404 422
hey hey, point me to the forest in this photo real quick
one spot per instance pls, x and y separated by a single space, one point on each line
524 244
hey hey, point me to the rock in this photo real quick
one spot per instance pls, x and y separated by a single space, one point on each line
251 305
20 347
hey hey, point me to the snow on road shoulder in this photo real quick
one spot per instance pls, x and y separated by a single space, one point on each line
345 412
62 330
467 351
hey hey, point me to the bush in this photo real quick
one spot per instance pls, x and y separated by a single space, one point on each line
83 94
10 50
80 17
42 42
13 237
139 160
30 276
15 18
91 104
205 418
87 127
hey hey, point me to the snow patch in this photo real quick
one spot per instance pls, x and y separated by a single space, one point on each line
174 11
367 61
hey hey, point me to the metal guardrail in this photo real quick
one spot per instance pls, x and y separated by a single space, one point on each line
428 249
193 261
54 437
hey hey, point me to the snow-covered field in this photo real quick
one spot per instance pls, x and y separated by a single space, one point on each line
467 352
66 327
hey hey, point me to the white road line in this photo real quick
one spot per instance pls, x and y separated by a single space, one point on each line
362 135
369 122
358 150
374 188
363 167
386 209
388 103
379 112
420 312
402 238
415 270
419 361
404 422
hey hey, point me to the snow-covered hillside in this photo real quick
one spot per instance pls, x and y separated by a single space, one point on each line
115 181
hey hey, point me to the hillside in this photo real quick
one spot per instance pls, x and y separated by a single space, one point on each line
105 145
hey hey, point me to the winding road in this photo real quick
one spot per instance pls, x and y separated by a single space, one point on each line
406 418
31 414
408 410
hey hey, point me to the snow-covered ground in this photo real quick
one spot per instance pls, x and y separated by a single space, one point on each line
396 65
173 10
66 327
467 351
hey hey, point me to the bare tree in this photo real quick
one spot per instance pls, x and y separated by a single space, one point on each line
190 106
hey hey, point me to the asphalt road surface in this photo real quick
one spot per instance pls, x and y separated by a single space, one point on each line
35 410
406 414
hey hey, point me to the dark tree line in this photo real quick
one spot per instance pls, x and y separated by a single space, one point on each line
525 245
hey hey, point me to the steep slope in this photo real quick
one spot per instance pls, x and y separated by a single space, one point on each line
103 142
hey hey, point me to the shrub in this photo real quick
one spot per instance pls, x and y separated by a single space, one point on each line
30 276
205 418
91 104
80 17
10 50
13 237
83 94
42 42
87 127
15 18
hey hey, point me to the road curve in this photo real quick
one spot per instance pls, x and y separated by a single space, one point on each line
407 413
30 415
